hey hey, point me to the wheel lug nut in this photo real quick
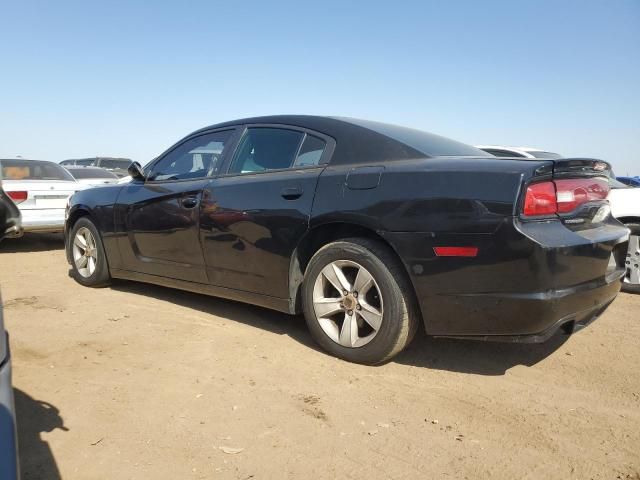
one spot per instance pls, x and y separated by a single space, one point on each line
358 307
350 312
344 292
355 294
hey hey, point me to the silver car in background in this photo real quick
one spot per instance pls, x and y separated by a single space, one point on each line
40 189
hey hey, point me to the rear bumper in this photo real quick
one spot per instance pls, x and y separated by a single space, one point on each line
46 220
527 281
8 436
549 312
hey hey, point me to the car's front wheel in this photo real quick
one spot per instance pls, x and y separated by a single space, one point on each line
631 283
88 259
358 302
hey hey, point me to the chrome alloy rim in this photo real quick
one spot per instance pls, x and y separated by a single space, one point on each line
85 253
348 303
632 261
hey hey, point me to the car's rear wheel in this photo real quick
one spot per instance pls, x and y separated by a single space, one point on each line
358 302
631 283
88 259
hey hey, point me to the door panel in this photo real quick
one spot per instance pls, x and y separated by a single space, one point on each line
162 225
160 217
251 224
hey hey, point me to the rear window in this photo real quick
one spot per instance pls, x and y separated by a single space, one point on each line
427 143
91 173
547 155
33 170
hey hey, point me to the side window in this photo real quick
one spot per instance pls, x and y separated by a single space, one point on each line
310 152
264 149
195 158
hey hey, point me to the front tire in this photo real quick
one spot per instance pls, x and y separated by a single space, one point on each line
88 258
358 301
631 282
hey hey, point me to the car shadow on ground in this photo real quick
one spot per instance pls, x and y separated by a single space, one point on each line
476 357
463 356
33 418
33 242
265 319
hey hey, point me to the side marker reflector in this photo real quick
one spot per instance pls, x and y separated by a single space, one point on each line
456 251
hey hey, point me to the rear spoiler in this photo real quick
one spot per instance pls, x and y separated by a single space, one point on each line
581 167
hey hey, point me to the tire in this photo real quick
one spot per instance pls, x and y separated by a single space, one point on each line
387 301
98 276
631 283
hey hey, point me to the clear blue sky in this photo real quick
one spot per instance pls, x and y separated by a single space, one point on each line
129 78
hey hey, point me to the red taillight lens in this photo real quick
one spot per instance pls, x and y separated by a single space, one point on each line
540 199
573 192
18 196
563 196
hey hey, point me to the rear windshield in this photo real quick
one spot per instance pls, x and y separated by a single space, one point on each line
547 155
91 173
427 143
33 170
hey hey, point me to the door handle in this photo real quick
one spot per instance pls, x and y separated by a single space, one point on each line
291 193
189 202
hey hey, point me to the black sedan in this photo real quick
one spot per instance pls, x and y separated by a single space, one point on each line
369 229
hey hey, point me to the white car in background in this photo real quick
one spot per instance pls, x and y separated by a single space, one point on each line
92 176
625 207
40 190
518 152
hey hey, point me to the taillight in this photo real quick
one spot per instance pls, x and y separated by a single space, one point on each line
540 199
18 196
563 196
573 192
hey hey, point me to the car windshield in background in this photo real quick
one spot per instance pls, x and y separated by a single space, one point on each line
427 143
617 184
123 164
82 173
33 170
547 155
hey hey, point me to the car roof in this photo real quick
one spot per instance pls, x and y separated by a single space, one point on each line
25 160
355 138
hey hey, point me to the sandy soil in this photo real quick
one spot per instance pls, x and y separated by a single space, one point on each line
143 382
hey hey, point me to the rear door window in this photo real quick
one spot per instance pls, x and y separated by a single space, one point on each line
265 148
310 152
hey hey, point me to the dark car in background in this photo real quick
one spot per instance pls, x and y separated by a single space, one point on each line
9 226
631 181
116 165
368 229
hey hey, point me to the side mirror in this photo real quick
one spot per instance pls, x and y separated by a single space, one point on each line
135 171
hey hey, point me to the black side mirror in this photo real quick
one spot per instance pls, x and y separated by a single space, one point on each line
135 171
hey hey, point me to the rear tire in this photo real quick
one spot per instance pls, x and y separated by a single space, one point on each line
631 283
89 265
369 326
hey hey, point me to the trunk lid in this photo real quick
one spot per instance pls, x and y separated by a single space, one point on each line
43 194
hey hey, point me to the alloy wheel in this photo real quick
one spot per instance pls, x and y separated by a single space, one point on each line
633 261
85 253
348 303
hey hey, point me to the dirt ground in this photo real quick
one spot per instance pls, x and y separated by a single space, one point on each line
142 382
